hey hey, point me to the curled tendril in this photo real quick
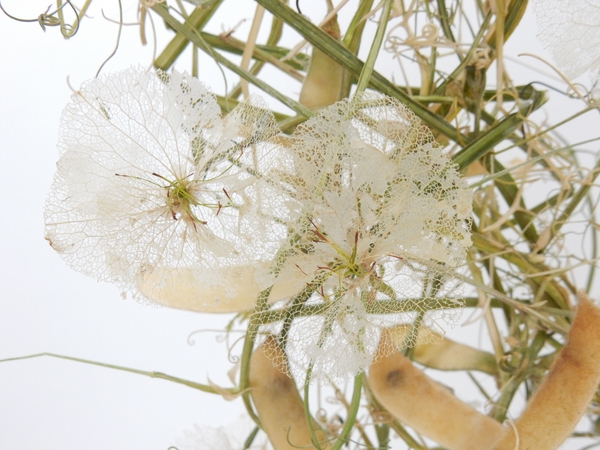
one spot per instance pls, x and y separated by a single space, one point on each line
220 337
481 58
321 415
430 31
568 93
190 341
572 90
47 19
234 359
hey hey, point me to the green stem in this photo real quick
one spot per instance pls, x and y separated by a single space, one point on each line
246 356
579 195
298 309
306 404
441 89
298 62
410 340
499 132
383 436
518 166
509 190
250 439
76 23
515 11
193 36
263 56
594 252
352 412
523 262
367 70
353 37
523 307
197 19
273 39
444 20
296 306
162 376
336 51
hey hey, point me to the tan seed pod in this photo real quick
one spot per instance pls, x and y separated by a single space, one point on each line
560 402
277 401
421 403
433 350
323 83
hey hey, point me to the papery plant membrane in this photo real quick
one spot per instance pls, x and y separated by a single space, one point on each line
230 437
378 219
571 31
354 223
154 190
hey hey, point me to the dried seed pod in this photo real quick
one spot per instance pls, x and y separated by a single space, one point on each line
557 406
323 83
421 403
442 353
277 401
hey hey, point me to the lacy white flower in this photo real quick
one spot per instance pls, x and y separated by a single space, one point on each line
230 437
154 190
379 218
571 31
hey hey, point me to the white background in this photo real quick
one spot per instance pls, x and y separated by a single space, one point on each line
45 306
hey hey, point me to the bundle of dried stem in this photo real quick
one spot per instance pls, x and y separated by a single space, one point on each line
534 230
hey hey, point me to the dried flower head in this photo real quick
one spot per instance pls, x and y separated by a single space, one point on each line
571 31
378 219
229 437
154 189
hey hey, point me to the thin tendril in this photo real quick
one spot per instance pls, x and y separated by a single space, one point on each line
190 341
118 39
47 19
65 28
44 14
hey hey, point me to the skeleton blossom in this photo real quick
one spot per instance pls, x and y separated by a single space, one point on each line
378 221
230 437
571 31
154 190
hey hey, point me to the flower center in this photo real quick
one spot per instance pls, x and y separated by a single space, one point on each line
180 200
344 264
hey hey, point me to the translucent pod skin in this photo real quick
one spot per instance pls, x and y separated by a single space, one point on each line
323 83
560 402
419 402
277 401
